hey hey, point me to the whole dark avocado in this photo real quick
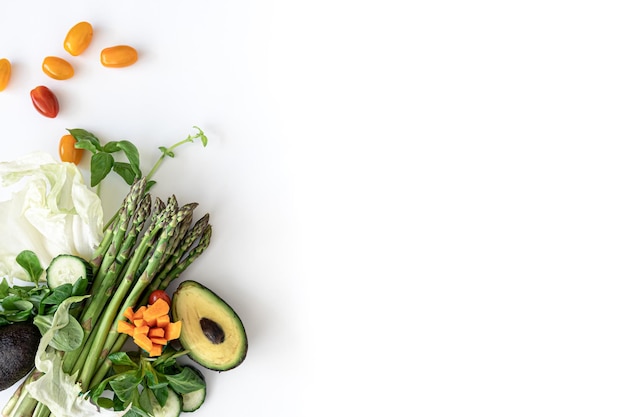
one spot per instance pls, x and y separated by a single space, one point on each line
18 346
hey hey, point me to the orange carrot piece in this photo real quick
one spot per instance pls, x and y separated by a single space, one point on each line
159 340
141 330
156 332
156 350
143 342
163 321
125 327
140 312
172 330
159 308
129 314
139 322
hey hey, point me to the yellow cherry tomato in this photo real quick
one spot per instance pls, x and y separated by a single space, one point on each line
118 56
78 38
68 152
57 68
5 73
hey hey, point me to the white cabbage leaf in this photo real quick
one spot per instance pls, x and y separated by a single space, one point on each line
51 211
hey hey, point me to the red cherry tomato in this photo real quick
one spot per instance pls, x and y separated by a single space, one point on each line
45 101
156 294
68 152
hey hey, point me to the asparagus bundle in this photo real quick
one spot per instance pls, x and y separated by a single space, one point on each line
146 246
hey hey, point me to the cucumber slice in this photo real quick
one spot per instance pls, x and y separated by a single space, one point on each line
193 400
172 407
67 269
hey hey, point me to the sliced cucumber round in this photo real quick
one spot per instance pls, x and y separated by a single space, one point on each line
67 269
193 400
172 407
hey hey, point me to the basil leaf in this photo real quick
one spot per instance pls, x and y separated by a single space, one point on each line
132 153
111 147
85 140
125 171
101 164
29 261
186 381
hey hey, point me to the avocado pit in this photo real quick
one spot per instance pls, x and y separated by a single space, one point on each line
212 331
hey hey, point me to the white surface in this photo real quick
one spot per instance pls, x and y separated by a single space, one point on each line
418 206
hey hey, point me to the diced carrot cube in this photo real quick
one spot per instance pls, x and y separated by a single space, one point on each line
172 330
129 314
125 327
156 332
156 350
163 321
159 340
139 322
143 342
159 308
140 312
150 321
141 330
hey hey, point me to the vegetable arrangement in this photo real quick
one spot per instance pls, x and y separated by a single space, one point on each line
89 310
93 329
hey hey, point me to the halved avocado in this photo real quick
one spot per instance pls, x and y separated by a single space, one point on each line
211 331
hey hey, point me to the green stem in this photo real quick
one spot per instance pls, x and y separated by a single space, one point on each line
165 152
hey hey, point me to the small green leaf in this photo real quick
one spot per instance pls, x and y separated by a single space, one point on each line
59 294
4 288
29 261
125 171
80 286
111 147
101 165
166 151
85 140
186 381
105 402
125 384
132 153
122 359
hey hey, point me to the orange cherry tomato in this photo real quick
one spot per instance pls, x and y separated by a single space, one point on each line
78 38
118 56
5 73
156 294
57 68
45 101
68 152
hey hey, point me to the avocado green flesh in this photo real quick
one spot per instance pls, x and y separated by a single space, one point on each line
193 302
18 346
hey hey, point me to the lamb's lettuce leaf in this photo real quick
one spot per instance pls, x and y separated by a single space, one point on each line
56 389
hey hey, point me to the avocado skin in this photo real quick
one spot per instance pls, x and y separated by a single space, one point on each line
18 346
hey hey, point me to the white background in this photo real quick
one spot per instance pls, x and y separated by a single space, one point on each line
418 206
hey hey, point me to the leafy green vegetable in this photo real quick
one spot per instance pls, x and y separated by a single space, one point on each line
103 160
138 379
29 261
22 303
